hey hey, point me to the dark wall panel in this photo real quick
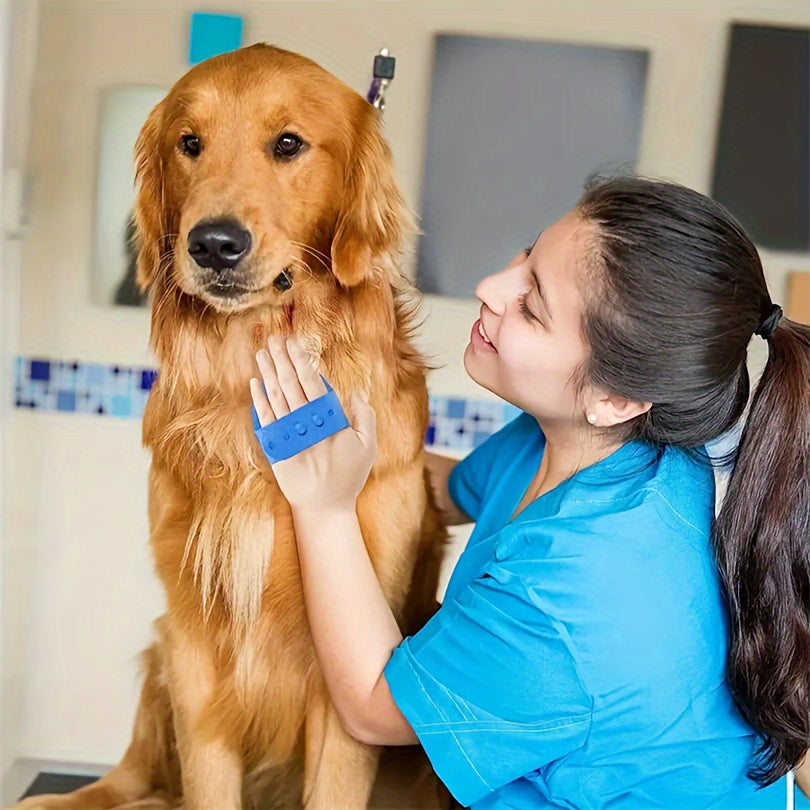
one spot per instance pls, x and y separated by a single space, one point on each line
762 165
515 127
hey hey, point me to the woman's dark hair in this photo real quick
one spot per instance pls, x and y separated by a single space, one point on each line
678 292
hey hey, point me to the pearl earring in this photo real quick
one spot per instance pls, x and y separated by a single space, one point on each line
592 418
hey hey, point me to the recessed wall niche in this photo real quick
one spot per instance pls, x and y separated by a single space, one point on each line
762 163
515 127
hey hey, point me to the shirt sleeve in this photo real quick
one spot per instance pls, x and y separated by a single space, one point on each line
490 687
468 479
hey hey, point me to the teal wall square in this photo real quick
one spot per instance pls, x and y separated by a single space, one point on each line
212 34
120 405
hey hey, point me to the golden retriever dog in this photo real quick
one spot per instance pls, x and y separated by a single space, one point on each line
266 204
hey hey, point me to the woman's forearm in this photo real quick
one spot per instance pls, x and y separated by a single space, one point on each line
352 625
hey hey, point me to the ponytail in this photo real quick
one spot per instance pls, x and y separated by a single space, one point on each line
675 291
762 542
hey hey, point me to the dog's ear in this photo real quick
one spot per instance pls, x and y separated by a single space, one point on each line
372 215
153 219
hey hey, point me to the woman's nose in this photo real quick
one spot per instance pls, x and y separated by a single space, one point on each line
495 290
485 292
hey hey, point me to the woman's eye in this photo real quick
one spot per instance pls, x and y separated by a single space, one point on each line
288 145
527 313
190 145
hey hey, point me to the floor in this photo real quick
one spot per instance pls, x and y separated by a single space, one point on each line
56 783
405 782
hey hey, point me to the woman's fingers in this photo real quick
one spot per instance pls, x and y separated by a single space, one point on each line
311 382
261 403
286 373
290 380
267 367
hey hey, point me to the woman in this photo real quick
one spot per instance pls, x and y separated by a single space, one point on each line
603 641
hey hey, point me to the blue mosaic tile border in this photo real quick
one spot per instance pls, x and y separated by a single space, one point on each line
73 387
92 388
462 424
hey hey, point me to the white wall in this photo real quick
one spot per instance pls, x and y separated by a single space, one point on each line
6 350
81 592
18 33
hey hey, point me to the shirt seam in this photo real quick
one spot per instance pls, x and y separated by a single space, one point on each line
448 724
676 512
499 725
632 496
643 489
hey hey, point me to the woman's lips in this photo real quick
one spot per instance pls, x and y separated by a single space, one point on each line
477 339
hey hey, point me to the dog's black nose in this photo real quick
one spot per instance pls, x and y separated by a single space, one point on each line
220 244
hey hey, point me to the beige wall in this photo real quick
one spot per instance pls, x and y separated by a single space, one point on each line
75 486
6 347
18 31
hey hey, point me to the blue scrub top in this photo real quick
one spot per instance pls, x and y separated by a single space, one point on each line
578 659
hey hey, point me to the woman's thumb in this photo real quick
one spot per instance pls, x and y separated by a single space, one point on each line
365 419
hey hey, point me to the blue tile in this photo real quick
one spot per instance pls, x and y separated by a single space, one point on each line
85 403
47 401
66 401
120 405
79 374
510 412
480 436
430 436
148 377
212 34
95 375
39 393
63 376
40 370
455 408
122 382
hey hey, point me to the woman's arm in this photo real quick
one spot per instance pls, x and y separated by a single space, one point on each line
353 629
439 469
352 625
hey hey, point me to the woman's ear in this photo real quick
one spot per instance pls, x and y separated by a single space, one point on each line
372 217
612 409
152 216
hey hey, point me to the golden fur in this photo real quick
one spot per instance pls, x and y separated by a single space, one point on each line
233 705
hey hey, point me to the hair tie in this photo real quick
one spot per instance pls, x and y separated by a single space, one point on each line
768 326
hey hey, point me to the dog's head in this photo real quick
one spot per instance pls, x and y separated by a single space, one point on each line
257 172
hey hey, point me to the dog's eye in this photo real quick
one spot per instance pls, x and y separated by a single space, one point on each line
190 145
288 145
283 281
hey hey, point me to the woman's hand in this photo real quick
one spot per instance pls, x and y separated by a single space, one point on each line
330 474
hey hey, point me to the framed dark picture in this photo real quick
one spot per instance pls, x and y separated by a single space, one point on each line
123 111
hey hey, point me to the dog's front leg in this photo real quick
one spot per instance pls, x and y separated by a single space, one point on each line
339 772
210 762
